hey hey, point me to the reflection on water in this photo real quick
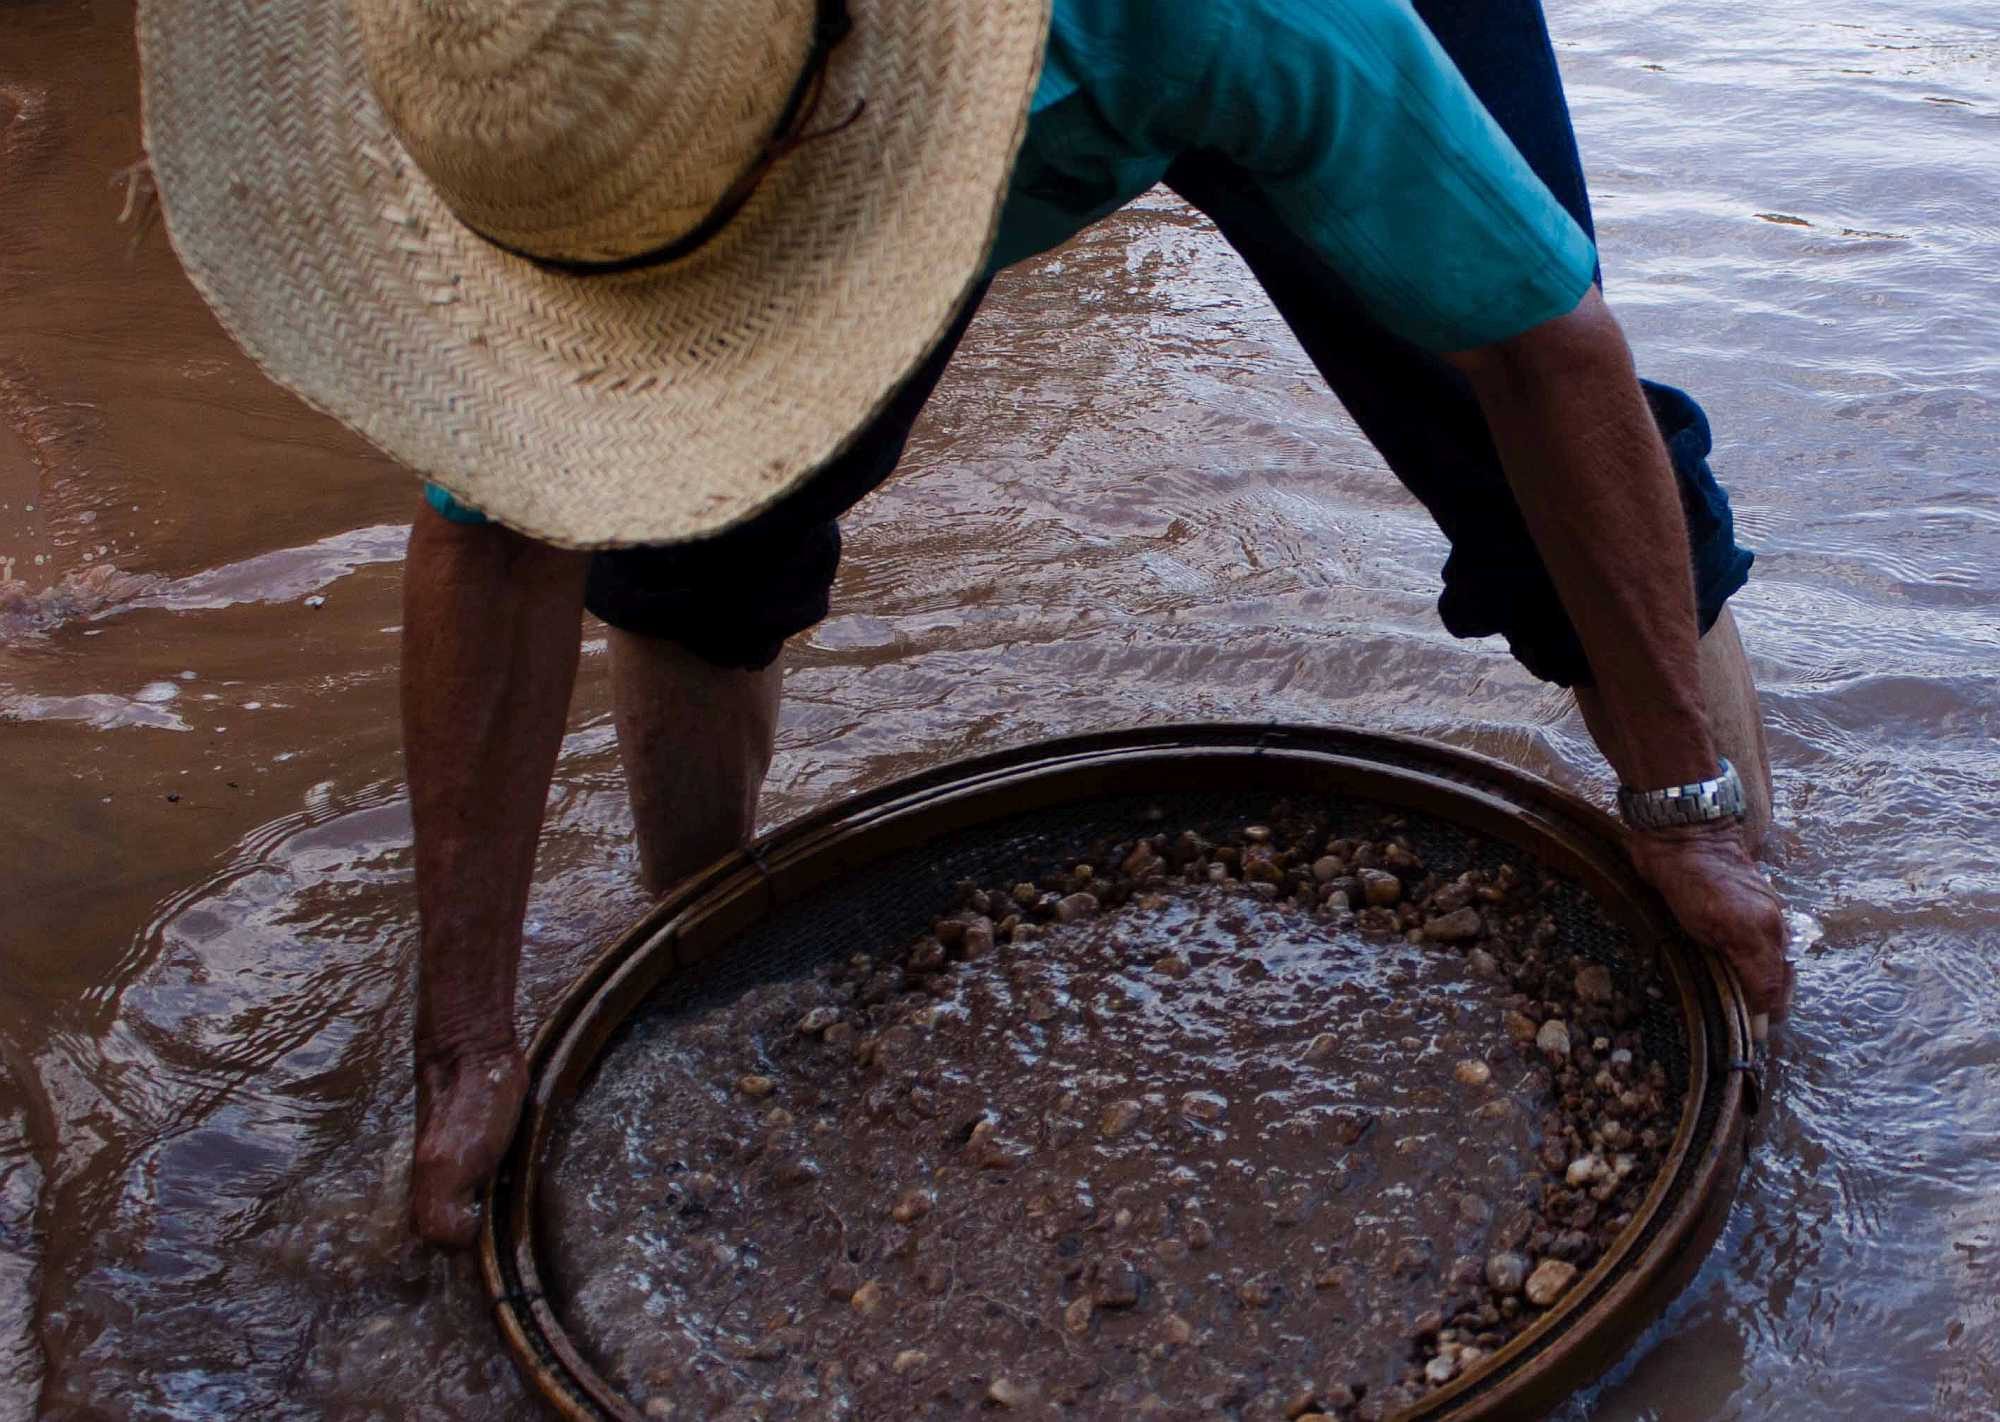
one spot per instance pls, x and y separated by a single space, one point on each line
1132 502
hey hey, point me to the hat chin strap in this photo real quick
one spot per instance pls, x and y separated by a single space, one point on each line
832 25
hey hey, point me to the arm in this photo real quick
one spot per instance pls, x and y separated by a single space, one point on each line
1586 465
490 642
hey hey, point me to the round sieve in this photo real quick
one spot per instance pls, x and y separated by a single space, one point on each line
879 867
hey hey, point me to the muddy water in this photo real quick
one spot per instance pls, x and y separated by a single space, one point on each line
1141 1111
1132 502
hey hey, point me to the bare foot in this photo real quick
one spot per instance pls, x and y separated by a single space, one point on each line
467 1107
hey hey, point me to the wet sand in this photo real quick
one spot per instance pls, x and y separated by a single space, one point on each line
1131 502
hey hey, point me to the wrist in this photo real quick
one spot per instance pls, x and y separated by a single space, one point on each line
1717 797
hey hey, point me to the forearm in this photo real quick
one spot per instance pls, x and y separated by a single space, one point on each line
490 634
1587 467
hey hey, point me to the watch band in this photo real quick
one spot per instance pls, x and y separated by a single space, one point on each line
1696 804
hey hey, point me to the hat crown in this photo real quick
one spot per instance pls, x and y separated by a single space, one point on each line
583 130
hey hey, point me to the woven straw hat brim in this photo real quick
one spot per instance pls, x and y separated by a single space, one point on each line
652 407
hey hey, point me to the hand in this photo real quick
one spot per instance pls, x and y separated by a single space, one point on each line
1721 898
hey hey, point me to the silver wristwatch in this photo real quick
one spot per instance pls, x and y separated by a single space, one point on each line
1696 804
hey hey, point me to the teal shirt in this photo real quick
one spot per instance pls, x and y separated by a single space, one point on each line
1346 113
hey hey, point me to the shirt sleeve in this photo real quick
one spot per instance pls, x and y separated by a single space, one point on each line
1371 146
451 508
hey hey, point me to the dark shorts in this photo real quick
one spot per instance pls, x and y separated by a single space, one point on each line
735 599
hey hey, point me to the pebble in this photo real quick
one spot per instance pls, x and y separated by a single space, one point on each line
866 1299
1380 888
1173 965
1327 869
1141 861
773 1346
1200 1234
818 1020
1074 906
1320 1048
1116 1284
1553 1039
1482 963
1005 1392
1203 1106
907 1359
1258 1290
1440 1370
1119 1117
754 1085
1474 1210
1473 1072
1518 1026
1176 1330
1586 1170
911 1205
978 940
1506 1272
1593 983
1076 1318
1455 927
796 1170
1548 1282
1413 1261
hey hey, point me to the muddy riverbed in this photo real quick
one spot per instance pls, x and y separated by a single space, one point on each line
1131 502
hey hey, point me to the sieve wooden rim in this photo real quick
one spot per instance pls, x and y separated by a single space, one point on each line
1566 1348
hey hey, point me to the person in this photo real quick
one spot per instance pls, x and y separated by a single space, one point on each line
652 294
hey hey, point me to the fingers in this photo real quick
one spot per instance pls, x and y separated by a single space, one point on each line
1758 955
1721 900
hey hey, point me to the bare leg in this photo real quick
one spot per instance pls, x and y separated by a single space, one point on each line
1735 721
490 640
696 740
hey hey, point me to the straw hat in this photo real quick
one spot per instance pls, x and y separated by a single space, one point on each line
612 271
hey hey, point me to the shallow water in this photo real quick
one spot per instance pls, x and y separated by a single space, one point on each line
1132 502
